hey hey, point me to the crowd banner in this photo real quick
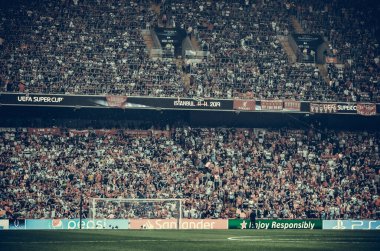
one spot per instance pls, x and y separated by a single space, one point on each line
244 104
275 224
292 105
272 105
351 224
184 224
116 101
366 109
44 131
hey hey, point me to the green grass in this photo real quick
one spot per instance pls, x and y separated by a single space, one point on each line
188 240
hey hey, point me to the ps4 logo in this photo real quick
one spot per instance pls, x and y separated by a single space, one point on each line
339 225
351 224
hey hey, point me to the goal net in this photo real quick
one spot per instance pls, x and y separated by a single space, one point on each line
137 210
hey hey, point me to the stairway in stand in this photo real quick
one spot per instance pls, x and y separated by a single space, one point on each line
296 25
321 67
195 43
323 71
289 51
184 76
156 8
148 41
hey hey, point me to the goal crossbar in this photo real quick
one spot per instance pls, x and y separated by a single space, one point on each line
93 202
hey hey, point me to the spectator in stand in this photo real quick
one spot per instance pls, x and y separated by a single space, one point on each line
89 47
286 173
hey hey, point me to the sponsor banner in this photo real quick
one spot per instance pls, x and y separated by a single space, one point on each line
172 224
244 104
210 104
123 102
17 224
272 104
78 101
4 224
347 108
366 109
34 224
292 105
40 99
52 100
275 224
323 107
351 224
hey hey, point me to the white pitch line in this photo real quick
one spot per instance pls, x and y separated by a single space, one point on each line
235 238
110 241
291 237
324 240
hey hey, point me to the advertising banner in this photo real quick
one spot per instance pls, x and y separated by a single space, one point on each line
4 224
272 104
346 108
292 105
16 224
244 104
341 108
351 224
275 224
172 224
94 101
34 224
366 109
207 104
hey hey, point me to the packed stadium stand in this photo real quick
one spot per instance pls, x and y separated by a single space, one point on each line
221 173
107 47
97 47
352 31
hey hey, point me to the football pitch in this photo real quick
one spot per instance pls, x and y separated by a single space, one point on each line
188 240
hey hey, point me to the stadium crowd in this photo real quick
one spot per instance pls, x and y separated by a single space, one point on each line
220 173
352 30
91 47
96 47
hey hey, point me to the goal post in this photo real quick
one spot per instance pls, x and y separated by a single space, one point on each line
135 209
